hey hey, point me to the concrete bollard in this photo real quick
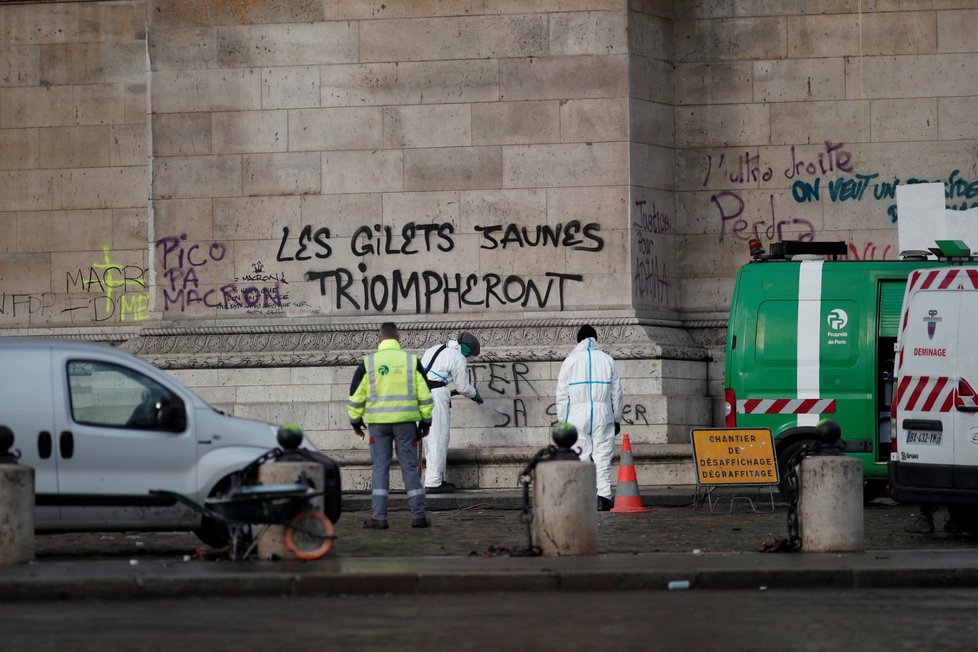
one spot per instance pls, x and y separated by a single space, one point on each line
271 545
16 514
565 521
830 505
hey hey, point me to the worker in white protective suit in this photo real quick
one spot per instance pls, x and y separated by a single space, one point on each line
445 365
590 396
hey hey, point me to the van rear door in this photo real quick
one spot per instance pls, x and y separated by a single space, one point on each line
927 380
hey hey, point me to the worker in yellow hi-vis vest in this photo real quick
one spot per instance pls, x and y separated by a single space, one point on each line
389 394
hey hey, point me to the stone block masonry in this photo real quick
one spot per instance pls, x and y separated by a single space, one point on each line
251 187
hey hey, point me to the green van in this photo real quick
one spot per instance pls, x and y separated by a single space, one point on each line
812 337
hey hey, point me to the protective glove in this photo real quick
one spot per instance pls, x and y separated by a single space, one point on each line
478 398
617 427
424 428
358 429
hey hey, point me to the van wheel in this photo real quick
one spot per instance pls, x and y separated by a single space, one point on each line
784 457
965 517
873 489
212 532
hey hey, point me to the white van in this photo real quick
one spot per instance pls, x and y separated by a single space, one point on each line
102 428
934 455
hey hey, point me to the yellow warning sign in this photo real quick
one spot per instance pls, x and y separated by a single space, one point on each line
734 456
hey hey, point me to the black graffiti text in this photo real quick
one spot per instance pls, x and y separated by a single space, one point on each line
572 235
430 290
631 414
414 238
318 239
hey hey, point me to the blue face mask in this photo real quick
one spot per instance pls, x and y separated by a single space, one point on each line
465 349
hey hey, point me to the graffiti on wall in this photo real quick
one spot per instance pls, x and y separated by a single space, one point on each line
870 251
188 279
114 282
507 387
650 280
105 291
433 290
960 193
831 176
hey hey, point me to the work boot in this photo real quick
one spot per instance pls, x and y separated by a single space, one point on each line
951 527
420 522
923 524
443 488
604 504
374 524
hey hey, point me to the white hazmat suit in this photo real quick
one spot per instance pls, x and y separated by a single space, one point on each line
449 368
590 396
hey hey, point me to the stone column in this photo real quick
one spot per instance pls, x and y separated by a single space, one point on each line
565 519
830 507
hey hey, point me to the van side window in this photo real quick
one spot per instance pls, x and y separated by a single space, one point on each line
105 394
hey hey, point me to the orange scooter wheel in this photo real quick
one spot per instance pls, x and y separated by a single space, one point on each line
310 535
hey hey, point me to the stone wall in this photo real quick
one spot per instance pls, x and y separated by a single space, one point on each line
240 191
799 120
74 215
349 160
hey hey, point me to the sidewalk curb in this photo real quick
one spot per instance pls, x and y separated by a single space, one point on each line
115 580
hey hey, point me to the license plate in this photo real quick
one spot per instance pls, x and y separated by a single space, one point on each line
926 438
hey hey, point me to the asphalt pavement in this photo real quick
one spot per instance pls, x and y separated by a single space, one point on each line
478 542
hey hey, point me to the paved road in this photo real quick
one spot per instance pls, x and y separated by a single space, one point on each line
701 620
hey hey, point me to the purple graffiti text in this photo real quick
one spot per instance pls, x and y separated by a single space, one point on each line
730 206
832 159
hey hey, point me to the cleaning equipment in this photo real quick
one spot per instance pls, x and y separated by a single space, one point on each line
627 498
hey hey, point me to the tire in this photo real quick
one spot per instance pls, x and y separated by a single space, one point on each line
965 517
310 535
873 489
784 456
212 532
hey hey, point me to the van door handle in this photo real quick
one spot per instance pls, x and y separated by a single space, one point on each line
44 442
67 444
968 408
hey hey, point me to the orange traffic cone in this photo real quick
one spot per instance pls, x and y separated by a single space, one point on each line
627 498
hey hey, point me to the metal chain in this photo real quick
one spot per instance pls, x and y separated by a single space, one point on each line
526 515
793 542
248 473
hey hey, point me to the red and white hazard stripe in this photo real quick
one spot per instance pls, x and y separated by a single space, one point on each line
926 393
786 406
954 278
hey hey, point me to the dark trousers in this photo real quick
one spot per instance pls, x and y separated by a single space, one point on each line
383 438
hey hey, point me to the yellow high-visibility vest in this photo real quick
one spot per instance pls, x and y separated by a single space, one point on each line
392 389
